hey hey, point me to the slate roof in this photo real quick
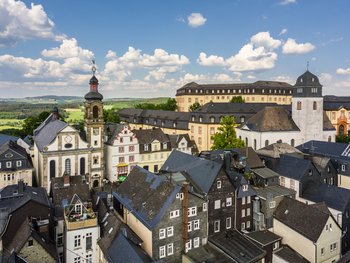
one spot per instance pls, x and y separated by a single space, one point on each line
237 246
307 79
327 124
274 190
147 136
176 139
263 237
112 130
276 149
291 166
202 172
230 108
271 119
12 199
253 160
289 255
18 153
344 258
334 197
265 173
329 149
47 131
146 195
308 221
4 138
249 192
208 254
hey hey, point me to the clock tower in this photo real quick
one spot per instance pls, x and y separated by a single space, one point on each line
94 129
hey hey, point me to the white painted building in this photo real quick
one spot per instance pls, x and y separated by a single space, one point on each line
306 122
121 151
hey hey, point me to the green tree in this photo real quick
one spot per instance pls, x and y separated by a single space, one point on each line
194 106
226 137
237 99
169 105
32 122
111 115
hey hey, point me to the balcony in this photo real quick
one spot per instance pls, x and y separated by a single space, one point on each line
78 216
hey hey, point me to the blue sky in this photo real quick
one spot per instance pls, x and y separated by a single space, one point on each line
151 48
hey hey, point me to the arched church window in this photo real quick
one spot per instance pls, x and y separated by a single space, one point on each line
82 166
341 129
315 105
95 112
52 169
292 142
266 142
68 166
299 105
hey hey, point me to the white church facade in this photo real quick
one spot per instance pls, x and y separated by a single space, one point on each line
61 149
307 120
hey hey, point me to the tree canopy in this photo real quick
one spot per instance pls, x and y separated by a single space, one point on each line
194 106
226 137
237 99
169 105
111 115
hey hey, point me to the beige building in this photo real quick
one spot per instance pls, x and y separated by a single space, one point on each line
310 230
257 92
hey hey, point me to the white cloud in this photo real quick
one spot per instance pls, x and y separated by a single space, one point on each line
162 58
196 20
283 78
283 31
212 60
18 22
343 71
325 78
265 40
292 47
288 2
251 77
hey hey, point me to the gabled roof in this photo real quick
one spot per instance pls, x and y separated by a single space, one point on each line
16 152
149 135
176 139
270 119
112 130
253 160
289 255
334 197
4 138
47 131
291 166
249 192
308 221
330 149
276 149
237 246
146 195
201 171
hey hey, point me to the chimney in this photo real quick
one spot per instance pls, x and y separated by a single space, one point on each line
66 179
20 187
54 113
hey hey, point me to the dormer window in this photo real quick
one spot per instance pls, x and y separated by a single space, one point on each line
242 119
245 187
145 147
299 90
212 119
313 90
165 145
200 119
192 118
218 184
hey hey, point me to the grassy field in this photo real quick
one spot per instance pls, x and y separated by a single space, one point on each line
10 124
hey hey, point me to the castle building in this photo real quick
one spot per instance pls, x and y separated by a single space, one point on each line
306 122
257 92
60 149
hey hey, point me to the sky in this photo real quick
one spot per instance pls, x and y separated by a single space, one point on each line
151 48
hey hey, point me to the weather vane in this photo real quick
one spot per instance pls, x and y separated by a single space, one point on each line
93 67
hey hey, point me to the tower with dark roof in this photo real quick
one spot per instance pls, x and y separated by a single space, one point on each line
307 106
94 129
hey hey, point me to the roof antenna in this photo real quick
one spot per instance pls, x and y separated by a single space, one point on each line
93 68
307 66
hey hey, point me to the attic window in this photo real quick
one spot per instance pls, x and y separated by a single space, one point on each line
299 90
272 204
78 208
310 172
8 155
245 187
30 242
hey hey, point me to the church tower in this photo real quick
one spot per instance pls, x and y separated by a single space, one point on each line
307 106
94 129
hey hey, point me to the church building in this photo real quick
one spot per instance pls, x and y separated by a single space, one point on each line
61 149
307 120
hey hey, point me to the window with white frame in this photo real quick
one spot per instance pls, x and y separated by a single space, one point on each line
322 251
243 225
77 241
248 224
272 204
229 201
192 211
170 249
333 246
248 211
161 233
243 201
205 206
196 224
218 184
245 187
217 226
162 252
170 231
89 258
217 204
165 145
145 147
8 164
189 226
77 260
342 167
228 222
196 242
88 242
175 213
19 163
248 200
243 212
188 245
